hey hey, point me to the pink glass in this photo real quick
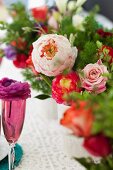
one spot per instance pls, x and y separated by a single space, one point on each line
13 114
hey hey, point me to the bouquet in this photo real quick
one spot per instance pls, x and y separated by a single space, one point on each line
73 63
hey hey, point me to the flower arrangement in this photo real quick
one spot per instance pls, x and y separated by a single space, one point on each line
74 65
83 82
26 27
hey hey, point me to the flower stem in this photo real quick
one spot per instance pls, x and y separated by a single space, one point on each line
46 79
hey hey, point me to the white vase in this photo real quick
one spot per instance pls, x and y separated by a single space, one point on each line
47 109
51 109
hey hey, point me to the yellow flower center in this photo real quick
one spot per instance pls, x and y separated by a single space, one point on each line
49 50
65 83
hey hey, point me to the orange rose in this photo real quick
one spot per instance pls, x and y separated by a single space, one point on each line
79 118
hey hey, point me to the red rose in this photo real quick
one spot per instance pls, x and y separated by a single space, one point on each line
20 61
40 13
64 84
104 34
98 145
79 119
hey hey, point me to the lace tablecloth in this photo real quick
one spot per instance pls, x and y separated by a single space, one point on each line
42 143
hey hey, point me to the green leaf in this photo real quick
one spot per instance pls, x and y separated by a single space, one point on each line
37 83
99 44
86 162
42 96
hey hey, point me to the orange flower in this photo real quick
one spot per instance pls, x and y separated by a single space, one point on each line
79 118
19 43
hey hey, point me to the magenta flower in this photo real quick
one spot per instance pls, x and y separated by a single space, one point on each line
14 90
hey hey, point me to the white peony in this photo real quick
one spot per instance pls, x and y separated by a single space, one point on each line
52 54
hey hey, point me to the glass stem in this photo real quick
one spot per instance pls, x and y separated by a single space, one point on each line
11 156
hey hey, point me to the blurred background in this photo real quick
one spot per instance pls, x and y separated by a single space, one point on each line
106 6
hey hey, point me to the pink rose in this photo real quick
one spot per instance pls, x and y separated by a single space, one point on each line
93 79
98 145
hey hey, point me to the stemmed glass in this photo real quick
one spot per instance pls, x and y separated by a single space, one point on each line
13 114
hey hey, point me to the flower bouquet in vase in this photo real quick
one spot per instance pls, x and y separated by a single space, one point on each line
25 28
78 68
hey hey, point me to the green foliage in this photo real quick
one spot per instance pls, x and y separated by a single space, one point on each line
21 19
104 114
18 7
86 42
87 55
66 26
90 26
37 83
108 41
104 164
